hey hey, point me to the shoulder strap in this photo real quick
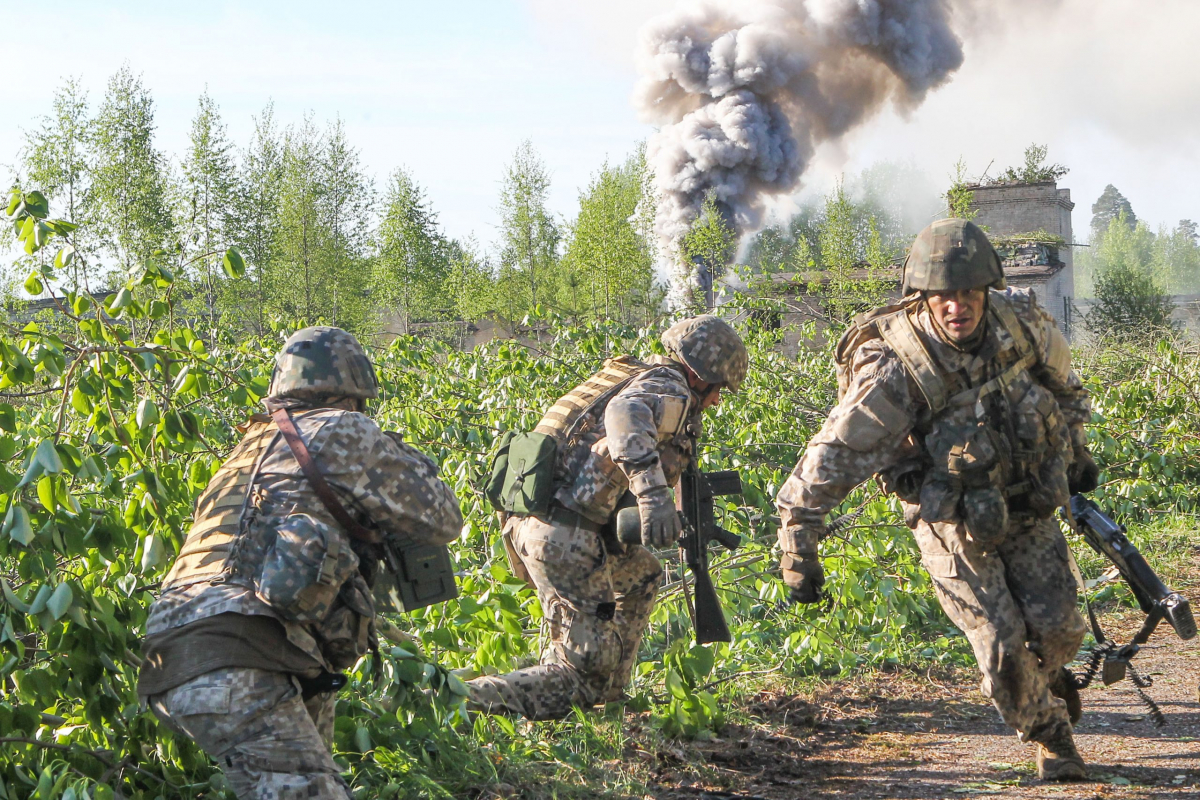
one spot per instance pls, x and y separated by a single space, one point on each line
897 330
1007 318
325 493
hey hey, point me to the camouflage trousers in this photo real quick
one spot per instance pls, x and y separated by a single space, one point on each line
270 743
1017 606
595 607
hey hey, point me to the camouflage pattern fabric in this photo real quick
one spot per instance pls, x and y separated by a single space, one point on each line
1017 607
595 606
596 602
323 361
637 441
881 426
269 743
711 348
377 476
952 254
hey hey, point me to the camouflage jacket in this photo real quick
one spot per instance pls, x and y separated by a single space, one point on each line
638 441
882 423
386 483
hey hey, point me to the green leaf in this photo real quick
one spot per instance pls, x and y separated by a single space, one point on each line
64 257
8 418
11 597
362 739
45 493
33 284
123 298
81 305
675 685
60 601
14 201
36 204
457 685
47 457
152 553
233 264
147 413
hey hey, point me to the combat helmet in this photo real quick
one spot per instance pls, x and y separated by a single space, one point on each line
323 361
710 347
949 255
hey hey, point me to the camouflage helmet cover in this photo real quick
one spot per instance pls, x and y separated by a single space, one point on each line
323 361
949 255
710 347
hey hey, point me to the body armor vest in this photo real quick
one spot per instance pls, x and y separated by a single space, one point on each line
208 552
981 450
565 415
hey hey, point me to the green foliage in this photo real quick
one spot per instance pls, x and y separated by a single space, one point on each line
529 236
1110 205
1130 301
708 248
960 195
850 282
608 269
1034 170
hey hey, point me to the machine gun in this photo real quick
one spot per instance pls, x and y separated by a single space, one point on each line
1157 601
695 503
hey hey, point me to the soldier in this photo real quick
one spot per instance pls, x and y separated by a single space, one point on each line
625 435
269 598
962 401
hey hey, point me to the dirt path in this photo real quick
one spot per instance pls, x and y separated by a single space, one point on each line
912 737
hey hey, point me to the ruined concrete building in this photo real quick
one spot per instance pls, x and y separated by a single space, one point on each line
1030 224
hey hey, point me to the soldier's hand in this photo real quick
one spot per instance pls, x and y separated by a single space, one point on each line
1084 474
661 526
804 576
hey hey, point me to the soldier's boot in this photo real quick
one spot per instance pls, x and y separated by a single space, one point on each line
1057 757
1063 686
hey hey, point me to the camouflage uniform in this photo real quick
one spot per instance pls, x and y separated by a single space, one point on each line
596 593
982 519
260 534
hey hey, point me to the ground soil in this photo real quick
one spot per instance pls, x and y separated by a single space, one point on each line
932 736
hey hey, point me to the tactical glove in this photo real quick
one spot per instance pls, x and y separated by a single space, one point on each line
1084 474
804 576
661 526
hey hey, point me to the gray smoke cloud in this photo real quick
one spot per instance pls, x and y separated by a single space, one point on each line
743 93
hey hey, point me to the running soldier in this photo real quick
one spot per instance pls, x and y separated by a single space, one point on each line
270 596
625 435
962 401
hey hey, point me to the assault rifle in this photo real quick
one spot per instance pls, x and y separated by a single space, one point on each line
1157 601
695 503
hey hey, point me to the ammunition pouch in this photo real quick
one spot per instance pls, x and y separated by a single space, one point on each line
417 576
522 475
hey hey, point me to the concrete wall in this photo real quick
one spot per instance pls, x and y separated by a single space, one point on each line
1009 209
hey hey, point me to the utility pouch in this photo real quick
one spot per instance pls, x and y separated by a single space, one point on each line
529 477
493 490
417 576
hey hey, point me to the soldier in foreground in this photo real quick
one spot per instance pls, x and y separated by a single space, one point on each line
627 432
962 401
270 596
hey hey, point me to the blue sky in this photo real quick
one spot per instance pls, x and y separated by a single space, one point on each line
450 89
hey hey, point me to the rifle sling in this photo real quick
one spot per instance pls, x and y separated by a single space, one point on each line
324 492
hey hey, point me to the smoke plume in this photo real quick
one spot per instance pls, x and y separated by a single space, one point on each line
744 92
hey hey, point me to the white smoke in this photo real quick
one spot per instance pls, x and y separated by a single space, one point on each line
744 92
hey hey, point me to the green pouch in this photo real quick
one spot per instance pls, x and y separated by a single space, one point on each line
494 488
529 478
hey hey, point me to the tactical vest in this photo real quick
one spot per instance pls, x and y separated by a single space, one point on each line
985 450
209 548
564 417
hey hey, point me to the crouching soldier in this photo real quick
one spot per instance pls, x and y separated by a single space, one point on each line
269 598
622 437
963 402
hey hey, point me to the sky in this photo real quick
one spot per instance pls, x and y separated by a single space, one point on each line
449 90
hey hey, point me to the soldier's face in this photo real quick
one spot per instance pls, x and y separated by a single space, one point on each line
709 393
958 313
